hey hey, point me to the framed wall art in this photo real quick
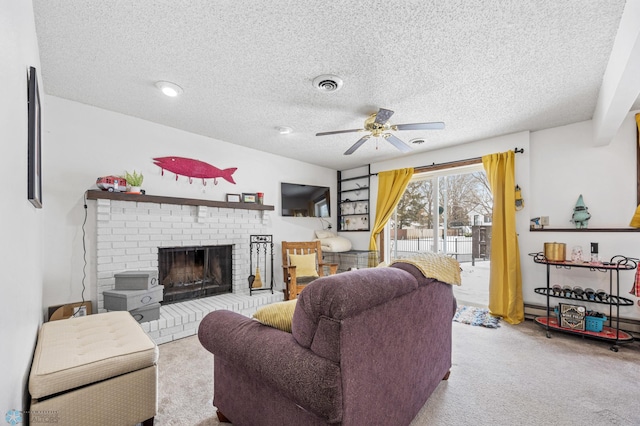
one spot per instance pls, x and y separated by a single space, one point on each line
249 198
233 198
34 157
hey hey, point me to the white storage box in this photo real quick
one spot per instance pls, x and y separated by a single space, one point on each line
127 300
136 280
147 313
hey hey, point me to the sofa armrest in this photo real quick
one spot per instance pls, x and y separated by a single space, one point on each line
275 358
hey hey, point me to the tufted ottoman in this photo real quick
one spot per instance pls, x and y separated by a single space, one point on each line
94 370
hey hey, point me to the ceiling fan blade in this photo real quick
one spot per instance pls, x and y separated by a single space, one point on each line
336 132
397 142
383 115
436 125
357 145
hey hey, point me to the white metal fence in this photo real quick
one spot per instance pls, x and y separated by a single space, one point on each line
458 247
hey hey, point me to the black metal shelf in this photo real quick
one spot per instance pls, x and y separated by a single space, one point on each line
357 177
365 180
362 188
607 334
611 300
366 200
617 262
615 265
585 230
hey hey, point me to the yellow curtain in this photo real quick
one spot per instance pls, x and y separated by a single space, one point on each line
635 220
505 282
391 186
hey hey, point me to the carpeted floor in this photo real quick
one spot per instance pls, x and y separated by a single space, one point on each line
505 376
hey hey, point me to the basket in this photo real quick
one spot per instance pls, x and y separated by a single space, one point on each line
594 323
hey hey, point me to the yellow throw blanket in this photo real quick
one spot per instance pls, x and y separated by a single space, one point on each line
435 265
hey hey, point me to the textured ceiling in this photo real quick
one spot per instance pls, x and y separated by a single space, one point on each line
485 68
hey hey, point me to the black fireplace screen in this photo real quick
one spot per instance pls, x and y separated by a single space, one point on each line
192 272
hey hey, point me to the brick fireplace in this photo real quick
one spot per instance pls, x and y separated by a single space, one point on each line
130 230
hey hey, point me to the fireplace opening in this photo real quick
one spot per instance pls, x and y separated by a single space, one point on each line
193 272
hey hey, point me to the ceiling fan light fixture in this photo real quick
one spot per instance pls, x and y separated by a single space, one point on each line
327 83
169 89
284 130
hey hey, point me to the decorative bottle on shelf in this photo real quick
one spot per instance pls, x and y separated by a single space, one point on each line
576 254
590 293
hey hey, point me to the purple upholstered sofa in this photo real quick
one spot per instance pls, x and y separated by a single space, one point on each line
368 347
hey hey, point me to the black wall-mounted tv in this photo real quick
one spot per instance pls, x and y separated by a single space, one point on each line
300 200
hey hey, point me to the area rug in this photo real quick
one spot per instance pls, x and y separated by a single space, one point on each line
476 316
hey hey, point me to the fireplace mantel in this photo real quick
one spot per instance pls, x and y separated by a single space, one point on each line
96 194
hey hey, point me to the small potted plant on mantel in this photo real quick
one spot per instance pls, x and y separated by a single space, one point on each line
134 181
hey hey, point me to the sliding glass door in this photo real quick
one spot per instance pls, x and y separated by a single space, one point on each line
448 211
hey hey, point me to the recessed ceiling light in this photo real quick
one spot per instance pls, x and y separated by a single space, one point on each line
284 130
169 89
327 83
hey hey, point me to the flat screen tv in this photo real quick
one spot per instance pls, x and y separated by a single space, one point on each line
300 200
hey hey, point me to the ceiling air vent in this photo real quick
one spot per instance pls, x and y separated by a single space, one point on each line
417 141
327 83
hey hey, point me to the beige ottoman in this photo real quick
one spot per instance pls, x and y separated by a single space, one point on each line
94 370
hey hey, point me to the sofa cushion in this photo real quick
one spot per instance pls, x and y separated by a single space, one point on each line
305 264
277 315
323 304
320 234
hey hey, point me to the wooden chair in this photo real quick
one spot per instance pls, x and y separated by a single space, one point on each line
293 280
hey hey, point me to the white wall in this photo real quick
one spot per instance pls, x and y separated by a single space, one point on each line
563 166
20 222
85 142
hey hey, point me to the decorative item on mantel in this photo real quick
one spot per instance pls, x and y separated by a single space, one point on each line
112 183
134 181
581 214
194 169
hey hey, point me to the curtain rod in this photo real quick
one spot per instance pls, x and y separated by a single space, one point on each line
456 163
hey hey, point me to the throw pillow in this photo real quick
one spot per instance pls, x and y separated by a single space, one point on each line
277 315
305 264
324 234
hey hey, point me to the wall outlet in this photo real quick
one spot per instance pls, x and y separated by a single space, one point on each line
544 220
80 311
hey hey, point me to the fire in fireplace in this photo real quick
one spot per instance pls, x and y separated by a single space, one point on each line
192 272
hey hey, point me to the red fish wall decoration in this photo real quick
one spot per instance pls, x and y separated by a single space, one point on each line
194 169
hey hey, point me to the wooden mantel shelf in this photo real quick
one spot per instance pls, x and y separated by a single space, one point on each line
96 194
586 230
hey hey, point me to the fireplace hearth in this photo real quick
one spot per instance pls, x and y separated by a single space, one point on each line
193 272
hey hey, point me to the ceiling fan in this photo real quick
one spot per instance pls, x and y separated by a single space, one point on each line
377 124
